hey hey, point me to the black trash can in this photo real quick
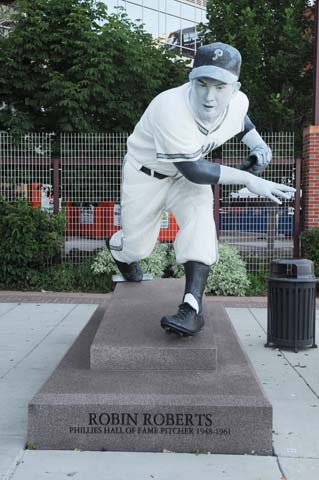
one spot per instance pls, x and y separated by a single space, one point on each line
291 304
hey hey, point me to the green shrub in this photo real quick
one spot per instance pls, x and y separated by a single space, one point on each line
104 263
258 283
229 275
30 238
310 247
66 278
155 264
76 278
176 270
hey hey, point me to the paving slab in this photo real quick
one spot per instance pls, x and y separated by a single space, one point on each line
295 405
6 307
24 366
144 466
305 361
25 330
300 468
24 327
11 451
129 336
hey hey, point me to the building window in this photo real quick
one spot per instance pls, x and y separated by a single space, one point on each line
172 22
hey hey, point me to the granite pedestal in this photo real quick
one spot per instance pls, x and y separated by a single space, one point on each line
126 385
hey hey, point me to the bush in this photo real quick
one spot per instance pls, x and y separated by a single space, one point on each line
258 283
176 270
310 247
30 238
155 264
67 278
76 278
104 263
229 275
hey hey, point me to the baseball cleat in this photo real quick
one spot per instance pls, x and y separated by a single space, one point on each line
186 322
132 272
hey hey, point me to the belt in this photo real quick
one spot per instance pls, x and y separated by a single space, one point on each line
153 173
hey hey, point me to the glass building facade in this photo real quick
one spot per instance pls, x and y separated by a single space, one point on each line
173 22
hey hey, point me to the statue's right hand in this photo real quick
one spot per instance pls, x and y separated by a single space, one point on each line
268 189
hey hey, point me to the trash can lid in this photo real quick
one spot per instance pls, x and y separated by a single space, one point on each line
292 268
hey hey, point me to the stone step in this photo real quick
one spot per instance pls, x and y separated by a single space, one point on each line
219 411
130 335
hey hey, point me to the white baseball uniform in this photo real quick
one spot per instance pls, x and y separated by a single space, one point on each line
168 132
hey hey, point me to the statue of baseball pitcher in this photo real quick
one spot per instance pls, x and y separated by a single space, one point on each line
165 169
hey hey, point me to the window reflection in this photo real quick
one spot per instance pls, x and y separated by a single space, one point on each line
111 6
162 5
134 11
121 3
188 12
150 20
171 21
173 27
173 7
162 25
151 4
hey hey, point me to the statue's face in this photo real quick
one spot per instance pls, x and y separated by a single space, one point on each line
209 98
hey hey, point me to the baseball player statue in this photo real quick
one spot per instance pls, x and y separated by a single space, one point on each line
165 169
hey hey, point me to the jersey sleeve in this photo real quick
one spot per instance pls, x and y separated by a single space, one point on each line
246 128
241 106
174 138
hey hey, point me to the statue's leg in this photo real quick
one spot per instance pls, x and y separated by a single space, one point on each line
196 248
189 319
142 203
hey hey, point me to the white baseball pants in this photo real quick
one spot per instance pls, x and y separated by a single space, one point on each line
144 198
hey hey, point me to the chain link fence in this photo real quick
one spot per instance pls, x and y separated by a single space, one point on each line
91 168
258 228
25 168
85 181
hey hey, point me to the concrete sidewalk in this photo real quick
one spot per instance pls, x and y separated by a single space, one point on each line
35 336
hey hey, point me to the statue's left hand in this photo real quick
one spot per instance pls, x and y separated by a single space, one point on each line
258 159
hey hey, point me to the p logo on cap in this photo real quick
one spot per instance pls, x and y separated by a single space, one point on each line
219 61
218 53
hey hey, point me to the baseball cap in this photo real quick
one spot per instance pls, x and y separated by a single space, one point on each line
219 61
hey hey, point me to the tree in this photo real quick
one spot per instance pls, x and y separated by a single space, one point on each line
70 66
275 38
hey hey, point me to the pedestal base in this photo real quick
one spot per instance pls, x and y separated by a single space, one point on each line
218 410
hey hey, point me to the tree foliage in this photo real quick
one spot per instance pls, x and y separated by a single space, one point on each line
71 66
275 38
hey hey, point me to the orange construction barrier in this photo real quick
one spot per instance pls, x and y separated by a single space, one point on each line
168 232
34 194
103 221
92 221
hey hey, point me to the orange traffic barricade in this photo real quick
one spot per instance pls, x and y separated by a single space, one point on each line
169 228
34 194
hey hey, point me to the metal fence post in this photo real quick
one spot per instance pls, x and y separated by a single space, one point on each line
56 198
56 184
297 210
216 192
